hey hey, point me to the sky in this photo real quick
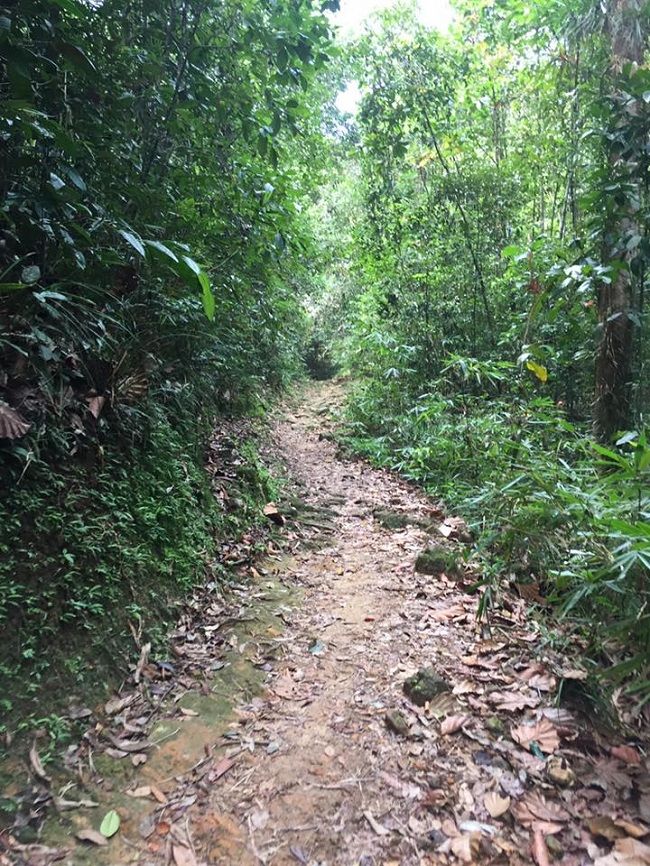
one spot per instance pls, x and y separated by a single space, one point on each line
351 19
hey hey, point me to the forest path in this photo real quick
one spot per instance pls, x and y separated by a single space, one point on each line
335 765
327 761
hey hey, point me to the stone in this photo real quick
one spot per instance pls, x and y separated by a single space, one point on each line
395 519
396 722
436 561
424 686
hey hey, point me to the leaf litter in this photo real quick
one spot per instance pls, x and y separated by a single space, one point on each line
492 770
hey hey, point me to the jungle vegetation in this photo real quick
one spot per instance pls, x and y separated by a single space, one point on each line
189 224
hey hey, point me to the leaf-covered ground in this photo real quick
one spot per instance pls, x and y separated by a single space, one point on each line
329 759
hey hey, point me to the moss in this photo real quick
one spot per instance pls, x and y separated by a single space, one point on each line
438 560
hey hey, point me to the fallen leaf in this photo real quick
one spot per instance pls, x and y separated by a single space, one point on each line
626 754
539 849
603 825
452 724
513 701
188 713
221 768
379 829
158 794
542 733
136 760
89 835
37 766
110 824
628 852
272 511
538 678
535 812
183 856
142 661
12 423
454 527
129 745
466 847
496 805
116 705
95 405
143 791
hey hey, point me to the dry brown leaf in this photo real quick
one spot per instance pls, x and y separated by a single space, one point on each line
539 849
12 423
447 613
188 713
158 794
136 760
537 813
454 527
638 831
626 754
543 733
466 687
496 805
513 701
116 705
37 766
379 829
95 405
466 847
93 836
538 678
221 768
142 791
453 723
129 746
183 856
627 852
272 511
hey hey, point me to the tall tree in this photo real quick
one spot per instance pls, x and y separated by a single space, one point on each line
614 353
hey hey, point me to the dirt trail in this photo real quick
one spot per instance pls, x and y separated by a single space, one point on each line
488 772
331 764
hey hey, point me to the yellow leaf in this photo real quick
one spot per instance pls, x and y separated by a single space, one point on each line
538 370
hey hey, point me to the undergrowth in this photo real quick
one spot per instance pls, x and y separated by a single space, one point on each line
545 503
104 546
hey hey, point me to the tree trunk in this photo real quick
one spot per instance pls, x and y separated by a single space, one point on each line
614 353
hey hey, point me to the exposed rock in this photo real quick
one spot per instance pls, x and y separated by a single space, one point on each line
424 686
395 519
437 560
396 722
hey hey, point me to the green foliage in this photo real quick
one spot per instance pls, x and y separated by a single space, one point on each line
154 164
498 178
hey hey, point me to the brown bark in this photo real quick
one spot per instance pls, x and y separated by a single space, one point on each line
611 411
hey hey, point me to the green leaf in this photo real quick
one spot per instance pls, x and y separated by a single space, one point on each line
76 179
204 282
11 287
110 825
77 57
510 251
56 181
135 242
208 297
162 249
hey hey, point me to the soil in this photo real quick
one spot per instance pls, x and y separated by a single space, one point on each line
327 761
